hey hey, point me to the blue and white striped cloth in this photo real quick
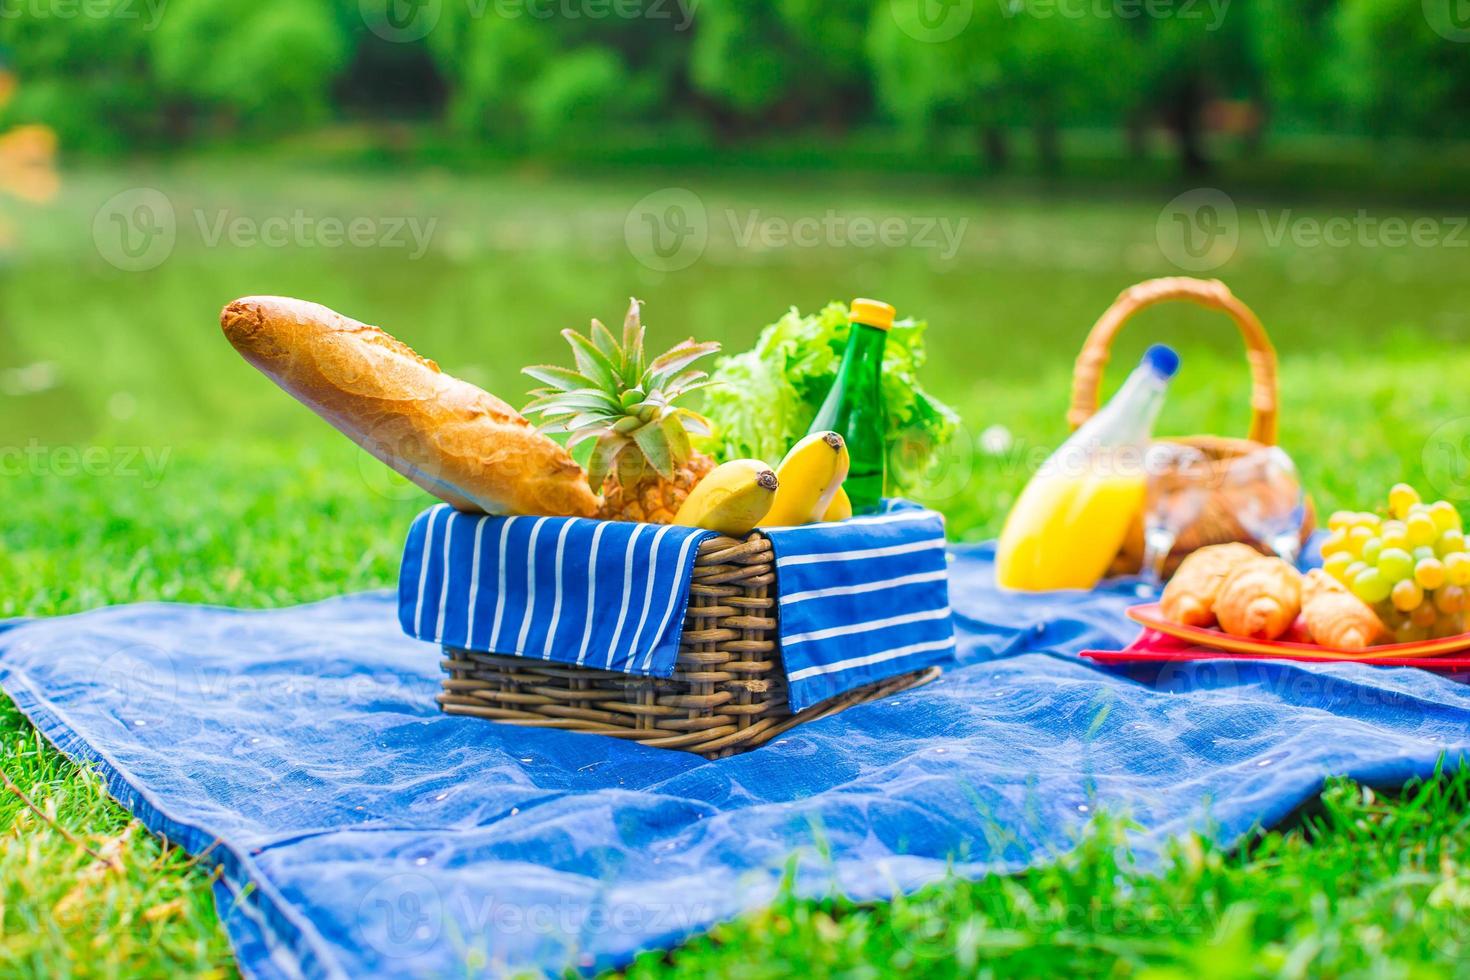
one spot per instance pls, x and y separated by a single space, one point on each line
603 594
860 601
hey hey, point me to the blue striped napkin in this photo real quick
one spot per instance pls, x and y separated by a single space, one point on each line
860 601
603 594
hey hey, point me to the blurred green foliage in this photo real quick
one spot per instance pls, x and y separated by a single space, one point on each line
245 59
118 74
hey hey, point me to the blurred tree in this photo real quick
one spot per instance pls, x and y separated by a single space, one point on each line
89 78
1011 64
266 63
576 92
1397 72
386 74
784 63
1296 42
528 73
516 73
487 63
1175 65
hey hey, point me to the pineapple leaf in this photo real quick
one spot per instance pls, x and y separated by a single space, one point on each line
606 342
699 386
592 362
653 441
582 435
676 358
640 410
632 469
693 422
549 415
548 404
604 455
582 401
559 378
585 399
687 378
633 362
689 382
678 437
585 420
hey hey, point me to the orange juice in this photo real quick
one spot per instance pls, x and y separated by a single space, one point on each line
1074 514
1066 530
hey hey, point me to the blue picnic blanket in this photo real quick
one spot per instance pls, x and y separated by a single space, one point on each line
363 833
861 600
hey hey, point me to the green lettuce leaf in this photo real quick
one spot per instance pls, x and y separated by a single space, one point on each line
767 397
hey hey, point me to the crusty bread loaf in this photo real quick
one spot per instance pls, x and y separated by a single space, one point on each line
463 445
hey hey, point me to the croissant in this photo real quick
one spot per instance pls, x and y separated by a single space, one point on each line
1259 599
1335 617
1189 598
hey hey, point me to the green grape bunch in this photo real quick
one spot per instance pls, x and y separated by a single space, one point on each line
1412 567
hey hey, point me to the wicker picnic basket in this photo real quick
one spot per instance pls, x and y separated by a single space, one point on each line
1217 523
728 692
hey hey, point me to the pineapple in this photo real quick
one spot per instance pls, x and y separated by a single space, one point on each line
643 462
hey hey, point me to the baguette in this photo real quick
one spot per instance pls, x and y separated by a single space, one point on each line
461 444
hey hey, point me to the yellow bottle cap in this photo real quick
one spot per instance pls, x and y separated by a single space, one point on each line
873 312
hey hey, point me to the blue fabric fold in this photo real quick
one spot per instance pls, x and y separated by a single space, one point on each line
361 832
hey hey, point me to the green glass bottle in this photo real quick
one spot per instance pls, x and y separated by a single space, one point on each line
854 407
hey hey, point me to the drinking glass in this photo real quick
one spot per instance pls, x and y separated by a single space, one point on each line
1269 500
1177 490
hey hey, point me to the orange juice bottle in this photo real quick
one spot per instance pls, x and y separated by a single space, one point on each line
1071 519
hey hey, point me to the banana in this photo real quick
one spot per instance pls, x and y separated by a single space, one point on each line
810 476
840 509
732 499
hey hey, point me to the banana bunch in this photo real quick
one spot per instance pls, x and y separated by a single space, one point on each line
743 493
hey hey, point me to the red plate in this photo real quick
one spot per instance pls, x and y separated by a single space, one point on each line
1163 640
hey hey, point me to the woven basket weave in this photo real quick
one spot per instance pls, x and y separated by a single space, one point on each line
728 691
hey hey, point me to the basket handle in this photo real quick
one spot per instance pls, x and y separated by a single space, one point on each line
1211 294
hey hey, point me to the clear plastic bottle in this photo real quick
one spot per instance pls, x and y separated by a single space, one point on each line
1071 519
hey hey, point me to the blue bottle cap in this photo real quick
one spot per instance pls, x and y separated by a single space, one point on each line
1162 359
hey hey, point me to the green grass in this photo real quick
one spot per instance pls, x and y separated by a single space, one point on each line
156 465
1365 885
84 889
